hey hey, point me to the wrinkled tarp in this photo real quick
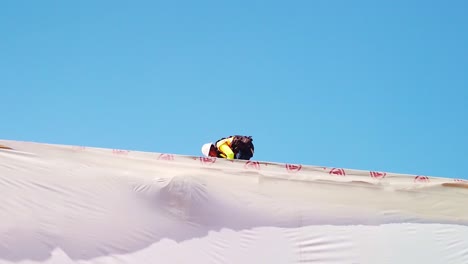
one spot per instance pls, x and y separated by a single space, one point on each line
72 204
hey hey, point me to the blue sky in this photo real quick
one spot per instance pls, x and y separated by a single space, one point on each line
375 85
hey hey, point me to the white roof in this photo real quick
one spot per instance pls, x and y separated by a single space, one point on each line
69 204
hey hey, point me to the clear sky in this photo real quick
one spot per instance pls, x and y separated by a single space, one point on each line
374 85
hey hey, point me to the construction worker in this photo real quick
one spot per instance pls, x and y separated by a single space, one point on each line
232 147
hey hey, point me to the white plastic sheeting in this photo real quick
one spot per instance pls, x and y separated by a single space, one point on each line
70 204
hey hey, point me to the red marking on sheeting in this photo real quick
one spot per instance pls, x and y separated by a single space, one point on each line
166 157
378 174
337 171
207 160
460 180
252 165
421 178
291 168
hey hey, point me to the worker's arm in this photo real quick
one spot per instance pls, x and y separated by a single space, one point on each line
227 151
